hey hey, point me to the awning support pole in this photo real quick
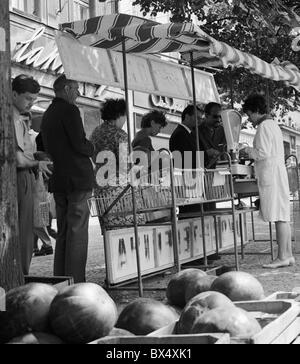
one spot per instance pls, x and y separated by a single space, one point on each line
231 88
195 108
134 204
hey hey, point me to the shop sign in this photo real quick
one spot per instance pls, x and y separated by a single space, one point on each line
169 103
146 74
43 57
156 245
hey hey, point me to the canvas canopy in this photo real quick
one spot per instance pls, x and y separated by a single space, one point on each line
146 36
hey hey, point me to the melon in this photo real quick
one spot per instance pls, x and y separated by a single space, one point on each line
27 310
199 285
178 284
82 313
235 321
145 315
197 306
239 286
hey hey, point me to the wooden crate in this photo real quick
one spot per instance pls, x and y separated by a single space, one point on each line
58 282
279 321
203 339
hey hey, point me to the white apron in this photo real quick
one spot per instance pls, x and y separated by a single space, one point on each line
270 170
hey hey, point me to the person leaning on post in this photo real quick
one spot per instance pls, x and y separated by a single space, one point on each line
72 182
25 91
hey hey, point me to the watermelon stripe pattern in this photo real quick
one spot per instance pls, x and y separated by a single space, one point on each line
146 36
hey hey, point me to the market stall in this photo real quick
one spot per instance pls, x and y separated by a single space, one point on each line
104 50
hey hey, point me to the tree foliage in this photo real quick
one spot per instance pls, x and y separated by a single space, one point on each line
262 28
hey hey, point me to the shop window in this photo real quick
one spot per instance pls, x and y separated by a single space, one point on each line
81 10
30 7
58 12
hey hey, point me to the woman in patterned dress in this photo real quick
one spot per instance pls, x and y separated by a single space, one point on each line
111 157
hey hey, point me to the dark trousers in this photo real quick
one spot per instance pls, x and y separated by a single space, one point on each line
72 234
25 182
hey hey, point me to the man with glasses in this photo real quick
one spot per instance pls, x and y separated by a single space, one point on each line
212 134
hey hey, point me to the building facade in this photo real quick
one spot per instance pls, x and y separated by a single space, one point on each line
34 52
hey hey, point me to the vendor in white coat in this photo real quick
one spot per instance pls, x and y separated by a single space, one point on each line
273 185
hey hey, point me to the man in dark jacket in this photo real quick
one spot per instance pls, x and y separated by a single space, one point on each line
73 178
183 139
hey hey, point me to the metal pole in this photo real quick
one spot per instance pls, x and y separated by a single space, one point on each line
134 205
231 88
195 107
268 96
174 219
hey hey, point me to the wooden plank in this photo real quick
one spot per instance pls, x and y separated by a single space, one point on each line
289 334
285 312
201 339
58 282
283 296
2 299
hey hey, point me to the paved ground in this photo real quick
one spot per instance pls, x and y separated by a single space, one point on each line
279 280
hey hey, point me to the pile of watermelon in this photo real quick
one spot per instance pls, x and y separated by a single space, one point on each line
207 302
38 314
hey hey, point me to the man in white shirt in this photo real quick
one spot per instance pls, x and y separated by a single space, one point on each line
25 92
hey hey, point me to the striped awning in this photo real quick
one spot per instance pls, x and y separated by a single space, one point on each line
146 36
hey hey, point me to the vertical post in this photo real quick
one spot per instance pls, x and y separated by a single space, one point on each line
136 233
195 108
92 8
174 218
10 268
268 96
231 88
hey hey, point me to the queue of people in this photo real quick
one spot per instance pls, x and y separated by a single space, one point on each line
78 165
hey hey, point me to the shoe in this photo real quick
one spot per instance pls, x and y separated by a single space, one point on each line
48 250
280 263
52 233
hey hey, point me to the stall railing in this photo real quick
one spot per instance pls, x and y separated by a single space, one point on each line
168 189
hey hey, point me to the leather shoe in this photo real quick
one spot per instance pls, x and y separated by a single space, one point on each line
45 250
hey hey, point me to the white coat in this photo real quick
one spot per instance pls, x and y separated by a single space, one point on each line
270 170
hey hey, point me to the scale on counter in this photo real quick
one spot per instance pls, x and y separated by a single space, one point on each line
242 170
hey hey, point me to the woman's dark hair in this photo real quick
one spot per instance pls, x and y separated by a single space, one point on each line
157 116
23 83
256 103
112 109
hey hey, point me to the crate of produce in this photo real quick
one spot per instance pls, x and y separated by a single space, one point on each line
279 321
203 339
58 282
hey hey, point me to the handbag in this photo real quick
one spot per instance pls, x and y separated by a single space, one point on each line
41 203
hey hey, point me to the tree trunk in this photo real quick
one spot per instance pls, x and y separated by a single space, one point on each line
10 269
